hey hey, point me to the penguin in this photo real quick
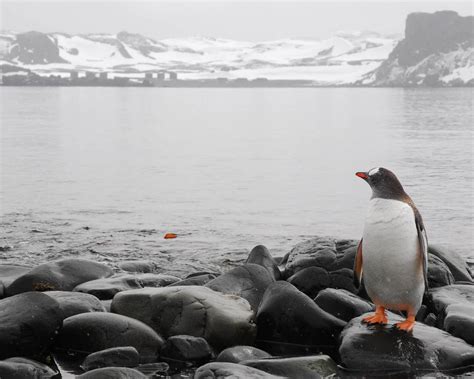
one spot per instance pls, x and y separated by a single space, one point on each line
392 256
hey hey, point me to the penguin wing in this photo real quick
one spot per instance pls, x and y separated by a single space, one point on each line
358 265
422 246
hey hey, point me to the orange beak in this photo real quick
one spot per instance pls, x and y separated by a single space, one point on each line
362 175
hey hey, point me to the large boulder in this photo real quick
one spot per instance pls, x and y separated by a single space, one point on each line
226 370
10 272
124 356
342 304
23 368
455 262
106 288
260 255
223 320
61 275
384 349
237 354
248 281
307 367
454 306
438 272
113 373
73 303
28 325
92 332
288 321
311 280
187 348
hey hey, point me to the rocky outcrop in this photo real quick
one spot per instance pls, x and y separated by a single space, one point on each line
73 303
384 349
61 275
187 349
23 368
223 320
35 48
437 51
29 323
261 256
237 354
342 304
123 356
92 332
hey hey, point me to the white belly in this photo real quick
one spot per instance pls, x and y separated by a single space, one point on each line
392 272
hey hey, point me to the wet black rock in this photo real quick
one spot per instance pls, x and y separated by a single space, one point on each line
293 322
343 279
112 373
223 370
438 272
187 348
61 275
23 368
107 288
92 332
342 304
454 306
143 266
223 320
198 280
248 281
261 256
456 263
386 349
28 325
73 303
311 280
307 367
126 356
10 272
237 354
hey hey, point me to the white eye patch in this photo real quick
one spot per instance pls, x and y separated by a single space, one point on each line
374 171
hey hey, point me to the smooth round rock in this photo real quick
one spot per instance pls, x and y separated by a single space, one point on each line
343 279
92 332
438 272
306 367
455 262
10 272
23 368
126 356
61 275
186 348
113 373
454 306
311 280
260 255
226 370
223 320
107 288
248 281
73 303
376 348
28 325
288 316
342 304
237 354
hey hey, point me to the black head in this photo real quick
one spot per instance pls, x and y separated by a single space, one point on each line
384 183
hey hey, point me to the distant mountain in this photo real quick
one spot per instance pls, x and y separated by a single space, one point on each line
437 50
342 59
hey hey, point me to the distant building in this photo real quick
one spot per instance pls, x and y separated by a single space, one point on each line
74 75
104 76
173 76
160 75
90 75
148 75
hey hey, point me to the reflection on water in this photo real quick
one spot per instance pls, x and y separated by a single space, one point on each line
106 172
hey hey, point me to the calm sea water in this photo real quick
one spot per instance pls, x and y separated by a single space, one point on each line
106 172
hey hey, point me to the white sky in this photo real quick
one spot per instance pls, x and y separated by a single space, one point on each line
245 20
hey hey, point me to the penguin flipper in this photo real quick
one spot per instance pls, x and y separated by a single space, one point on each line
422 246
358 265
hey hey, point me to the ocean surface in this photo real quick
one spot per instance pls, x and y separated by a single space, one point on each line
104 173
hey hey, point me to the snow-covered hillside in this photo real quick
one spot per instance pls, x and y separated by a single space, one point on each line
344 58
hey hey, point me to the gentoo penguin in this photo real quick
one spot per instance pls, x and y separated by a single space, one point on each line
392 254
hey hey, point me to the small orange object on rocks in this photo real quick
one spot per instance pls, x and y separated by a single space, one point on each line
170 236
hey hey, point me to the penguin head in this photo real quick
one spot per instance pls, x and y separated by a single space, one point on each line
384 183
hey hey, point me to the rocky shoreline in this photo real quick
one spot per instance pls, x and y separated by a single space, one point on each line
298 316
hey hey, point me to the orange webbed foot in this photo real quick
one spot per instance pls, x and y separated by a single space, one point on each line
406 325
378 318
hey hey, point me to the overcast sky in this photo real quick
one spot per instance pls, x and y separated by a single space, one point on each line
245 20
